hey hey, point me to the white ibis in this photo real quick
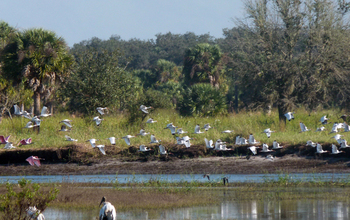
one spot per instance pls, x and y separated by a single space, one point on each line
30 124
64 128
319 149
303 127
34 214
346 127
243 141
68 138
276 146
324 120
162 150
143 148
9 146
144 109
4 140
17 110
172 129
92 142
268 132
289 115
102 110
335 150
209 144
311 144
112 140
67 122
127 139
154 140
227 131
181 131
44 112
206 127
107 211
151 121
252 140
253 149
322 128
344 144
238 140
34 160
265 148
220 145
142 133
197 130
101 147
270 157
337 137
98 120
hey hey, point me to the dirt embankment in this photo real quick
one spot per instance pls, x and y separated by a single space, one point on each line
79 159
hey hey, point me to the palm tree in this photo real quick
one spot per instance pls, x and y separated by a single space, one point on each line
45 60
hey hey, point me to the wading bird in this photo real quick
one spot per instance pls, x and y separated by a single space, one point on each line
197 130
34 160
322 128
143 148
9 146
44 112
101 147
4 140
92 142
154 140
206 127
319 149
225 180
67 122
276 146
337 137
144 109
180 131
102 110
252 140
17 110
346 127
311 144
253 149
344 117
335 150
265 148
151 121
289 115
127 139
142 133
112 140
244 141
220 145
162 150
107 211
238 140
268 132
34 214
31 125
324 120
303 127
344 144
227 131
270 157
98 120
206 176
64 128
172 129
25 141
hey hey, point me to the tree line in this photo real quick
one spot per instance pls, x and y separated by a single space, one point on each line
283 54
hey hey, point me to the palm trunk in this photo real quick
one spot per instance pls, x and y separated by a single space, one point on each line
36 103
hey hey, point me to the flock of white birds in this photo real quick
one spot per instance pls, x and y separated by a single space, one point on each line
219 145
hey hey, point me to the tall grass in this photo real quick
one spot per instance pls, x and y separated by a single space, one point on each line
117 125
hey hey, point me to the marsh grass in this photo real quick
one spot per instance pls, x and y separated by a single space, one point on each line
117 125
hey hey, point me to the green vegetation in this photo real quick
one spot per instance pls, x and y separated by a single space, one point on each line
19 197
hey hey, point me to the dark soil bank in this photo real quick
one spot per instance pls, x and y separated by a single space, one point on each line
79 159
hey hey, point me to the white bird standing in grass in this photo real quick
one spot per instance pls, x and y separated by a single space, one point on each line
151 121
107 211
303 127
143 148
67 122
69 138
112 140
44 112
127 139
34 214
319 149
289 115
197 130
252 140
144 109
276 146
265 148
311 144
154 140
98 120
268 132
102 110
206 127
335 150
162 150
209 144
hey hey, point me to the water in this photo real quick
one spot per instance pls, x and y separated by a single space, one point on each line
125 178
269 210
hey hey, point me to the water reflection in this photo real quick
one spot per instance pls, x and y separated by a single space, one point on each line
269 210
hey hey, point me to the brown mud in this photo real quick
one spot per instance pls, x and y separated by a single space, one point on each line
80 159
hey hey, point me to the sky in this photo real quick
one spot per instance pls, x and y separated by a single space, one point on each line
78 20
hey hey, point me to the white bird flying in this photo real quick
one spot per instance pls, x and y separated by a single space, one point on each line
206 127
244 141
335 150
162 150
154 140
172 129
34 160
127 139
303 127
112 140
4 140
34 214
197 130
220 145
276 146
142 133
319 149
44 112
337 137
145 109
344 144
67 122
227 131
180 141
25 141
92 142
180 131
101 148
289 115
102 110
151 121
265 148
187 143
322 128
268 132
311 144
252 140
98 120
30 125
143 148
336 126
64 128
238 140
208 144
69 138
324 120
253 149
17 110
9 146
270 157
107 211
346 127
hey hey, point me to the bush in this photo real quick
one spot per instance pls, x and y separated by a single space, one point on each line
202 100
20 196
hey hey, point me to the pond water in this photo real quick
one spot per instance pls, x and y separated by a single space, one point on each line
125 178
285 209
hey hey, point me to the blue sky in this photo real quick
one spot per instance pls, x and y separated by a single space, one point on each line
78 20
